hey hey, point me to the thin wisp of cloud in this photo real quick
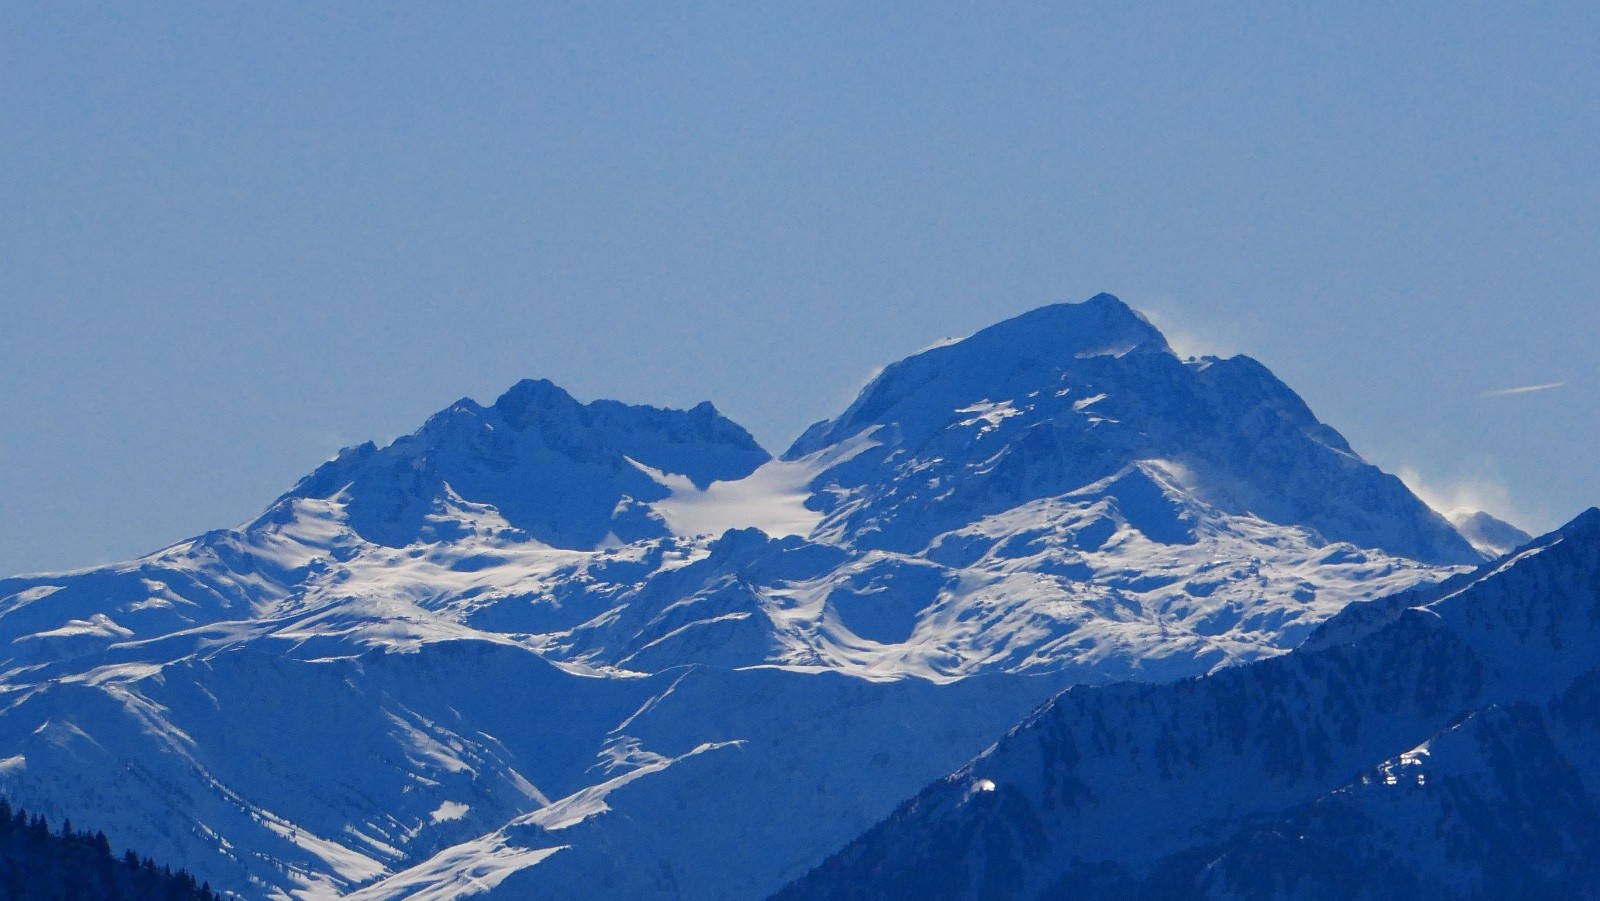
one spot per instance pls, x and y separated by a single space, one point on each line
1522 389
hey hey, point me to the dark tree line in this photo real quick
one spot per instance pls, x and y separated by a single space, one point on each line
37 864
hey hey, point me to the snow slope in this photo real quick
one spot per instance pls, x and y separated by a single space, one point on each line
1443 746
544 648
1071 394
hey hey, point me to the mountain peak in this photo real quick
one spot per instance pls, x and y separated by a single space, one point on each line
530 392
1585 526
1031 352
1101 325
561 470
1487 533
1065 395
1589 519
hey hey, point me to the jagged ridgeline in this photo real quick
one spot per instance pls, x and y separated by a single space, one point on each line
37 864
548 648
1441 744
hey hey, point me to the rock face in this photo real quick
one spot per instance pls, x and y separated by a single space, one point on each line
566 474
553 649
1071 394
1443 746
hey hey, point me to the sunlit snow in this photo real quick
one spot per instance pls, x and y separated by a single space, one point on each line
530 617
449 810
772 499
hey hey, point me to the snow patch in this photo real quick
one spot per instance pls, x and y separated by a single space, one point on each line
772 499
97 626
449 810
457 872
591 801
989 413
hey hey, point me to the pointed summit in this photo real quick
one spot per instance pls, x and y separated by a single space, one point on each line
532 397
1583 529
1585 524
1489 534
1101 325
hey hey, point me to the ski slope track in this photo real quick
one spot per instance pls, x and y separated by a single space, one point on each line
549 649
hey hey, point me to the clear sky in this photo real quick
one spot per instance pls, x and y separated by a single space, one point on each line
237 237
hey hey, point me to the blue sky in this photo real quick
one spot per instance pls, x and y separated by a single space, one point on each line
239 238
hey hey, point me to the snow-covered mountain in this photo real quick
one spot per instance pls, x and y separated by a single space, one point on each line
1491 536
1071 394
1439 744
566 474
554 649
